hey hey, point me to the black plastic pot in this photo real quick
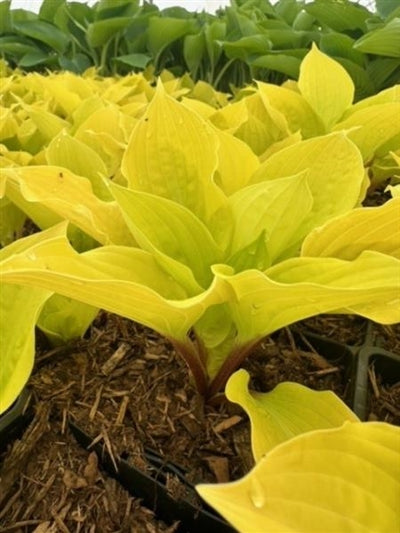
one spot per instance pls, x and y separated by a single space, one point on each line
151 487
15 419
356 361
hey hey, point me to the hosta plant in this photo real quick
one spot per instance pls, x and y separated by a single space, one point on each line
318 468
203 243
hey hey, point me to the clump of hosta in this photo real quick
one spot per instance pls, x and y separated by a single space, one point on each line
196 236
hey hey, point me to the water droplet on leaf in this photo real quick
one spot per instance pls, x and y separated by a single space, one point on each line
257 494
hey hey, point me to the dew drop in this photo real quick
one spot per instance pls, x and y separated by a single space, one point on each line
31 256
257 493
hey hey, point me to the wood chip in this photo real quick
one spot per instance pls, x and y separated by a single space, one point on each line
122 411
91 471
220 468
228 423
72 481
115 359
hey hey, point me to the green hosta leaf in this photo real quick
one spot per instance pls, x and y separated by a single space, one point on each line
366 228
170 231
139 61
343 479
385 7
44 32
36 57
102 31
264 207
63 319
246 46
340 16
326 86
173 153
288 410
280 62
123 280
70 197
382 41
335 173
371 127
162 31
301 287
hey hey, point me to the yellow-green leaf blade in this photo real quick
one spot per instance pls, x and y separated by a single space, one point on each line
71 197
344 479
290 409
326 86
365 228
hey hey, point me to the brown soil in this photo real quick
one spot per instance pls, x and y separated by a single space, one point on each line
126 387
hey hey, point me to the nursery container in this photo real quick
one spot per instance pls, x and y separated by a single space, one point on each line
15 419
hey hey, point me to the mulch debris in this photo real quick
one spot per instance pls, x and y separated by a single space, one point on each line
125 386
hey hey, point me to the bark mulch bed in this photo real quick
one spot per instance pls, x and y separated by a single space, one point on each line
126 387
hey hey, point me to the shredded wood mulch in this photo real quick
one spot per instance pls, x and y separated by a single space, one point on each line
125 386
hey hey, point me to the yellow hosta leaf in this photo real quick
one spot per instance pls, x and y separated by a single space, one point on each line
19 309
326 86
171 232
264 207
305 286
290 409
65 151
299 114
236 163
371 127
231 117
203 109
70 197
120 279
264 126
343 480
365 228
173 153
49 124
335 173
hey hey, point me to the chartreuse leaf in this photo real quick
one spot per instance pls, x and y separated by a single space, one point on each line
19 309
297 288
365 228
123 280
173 153
71 197
47 123
326 86
297 111
171 232
12 220
342 479
65 151
290 409
371 127
64 319
335 173
264 126
264 207
236 163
